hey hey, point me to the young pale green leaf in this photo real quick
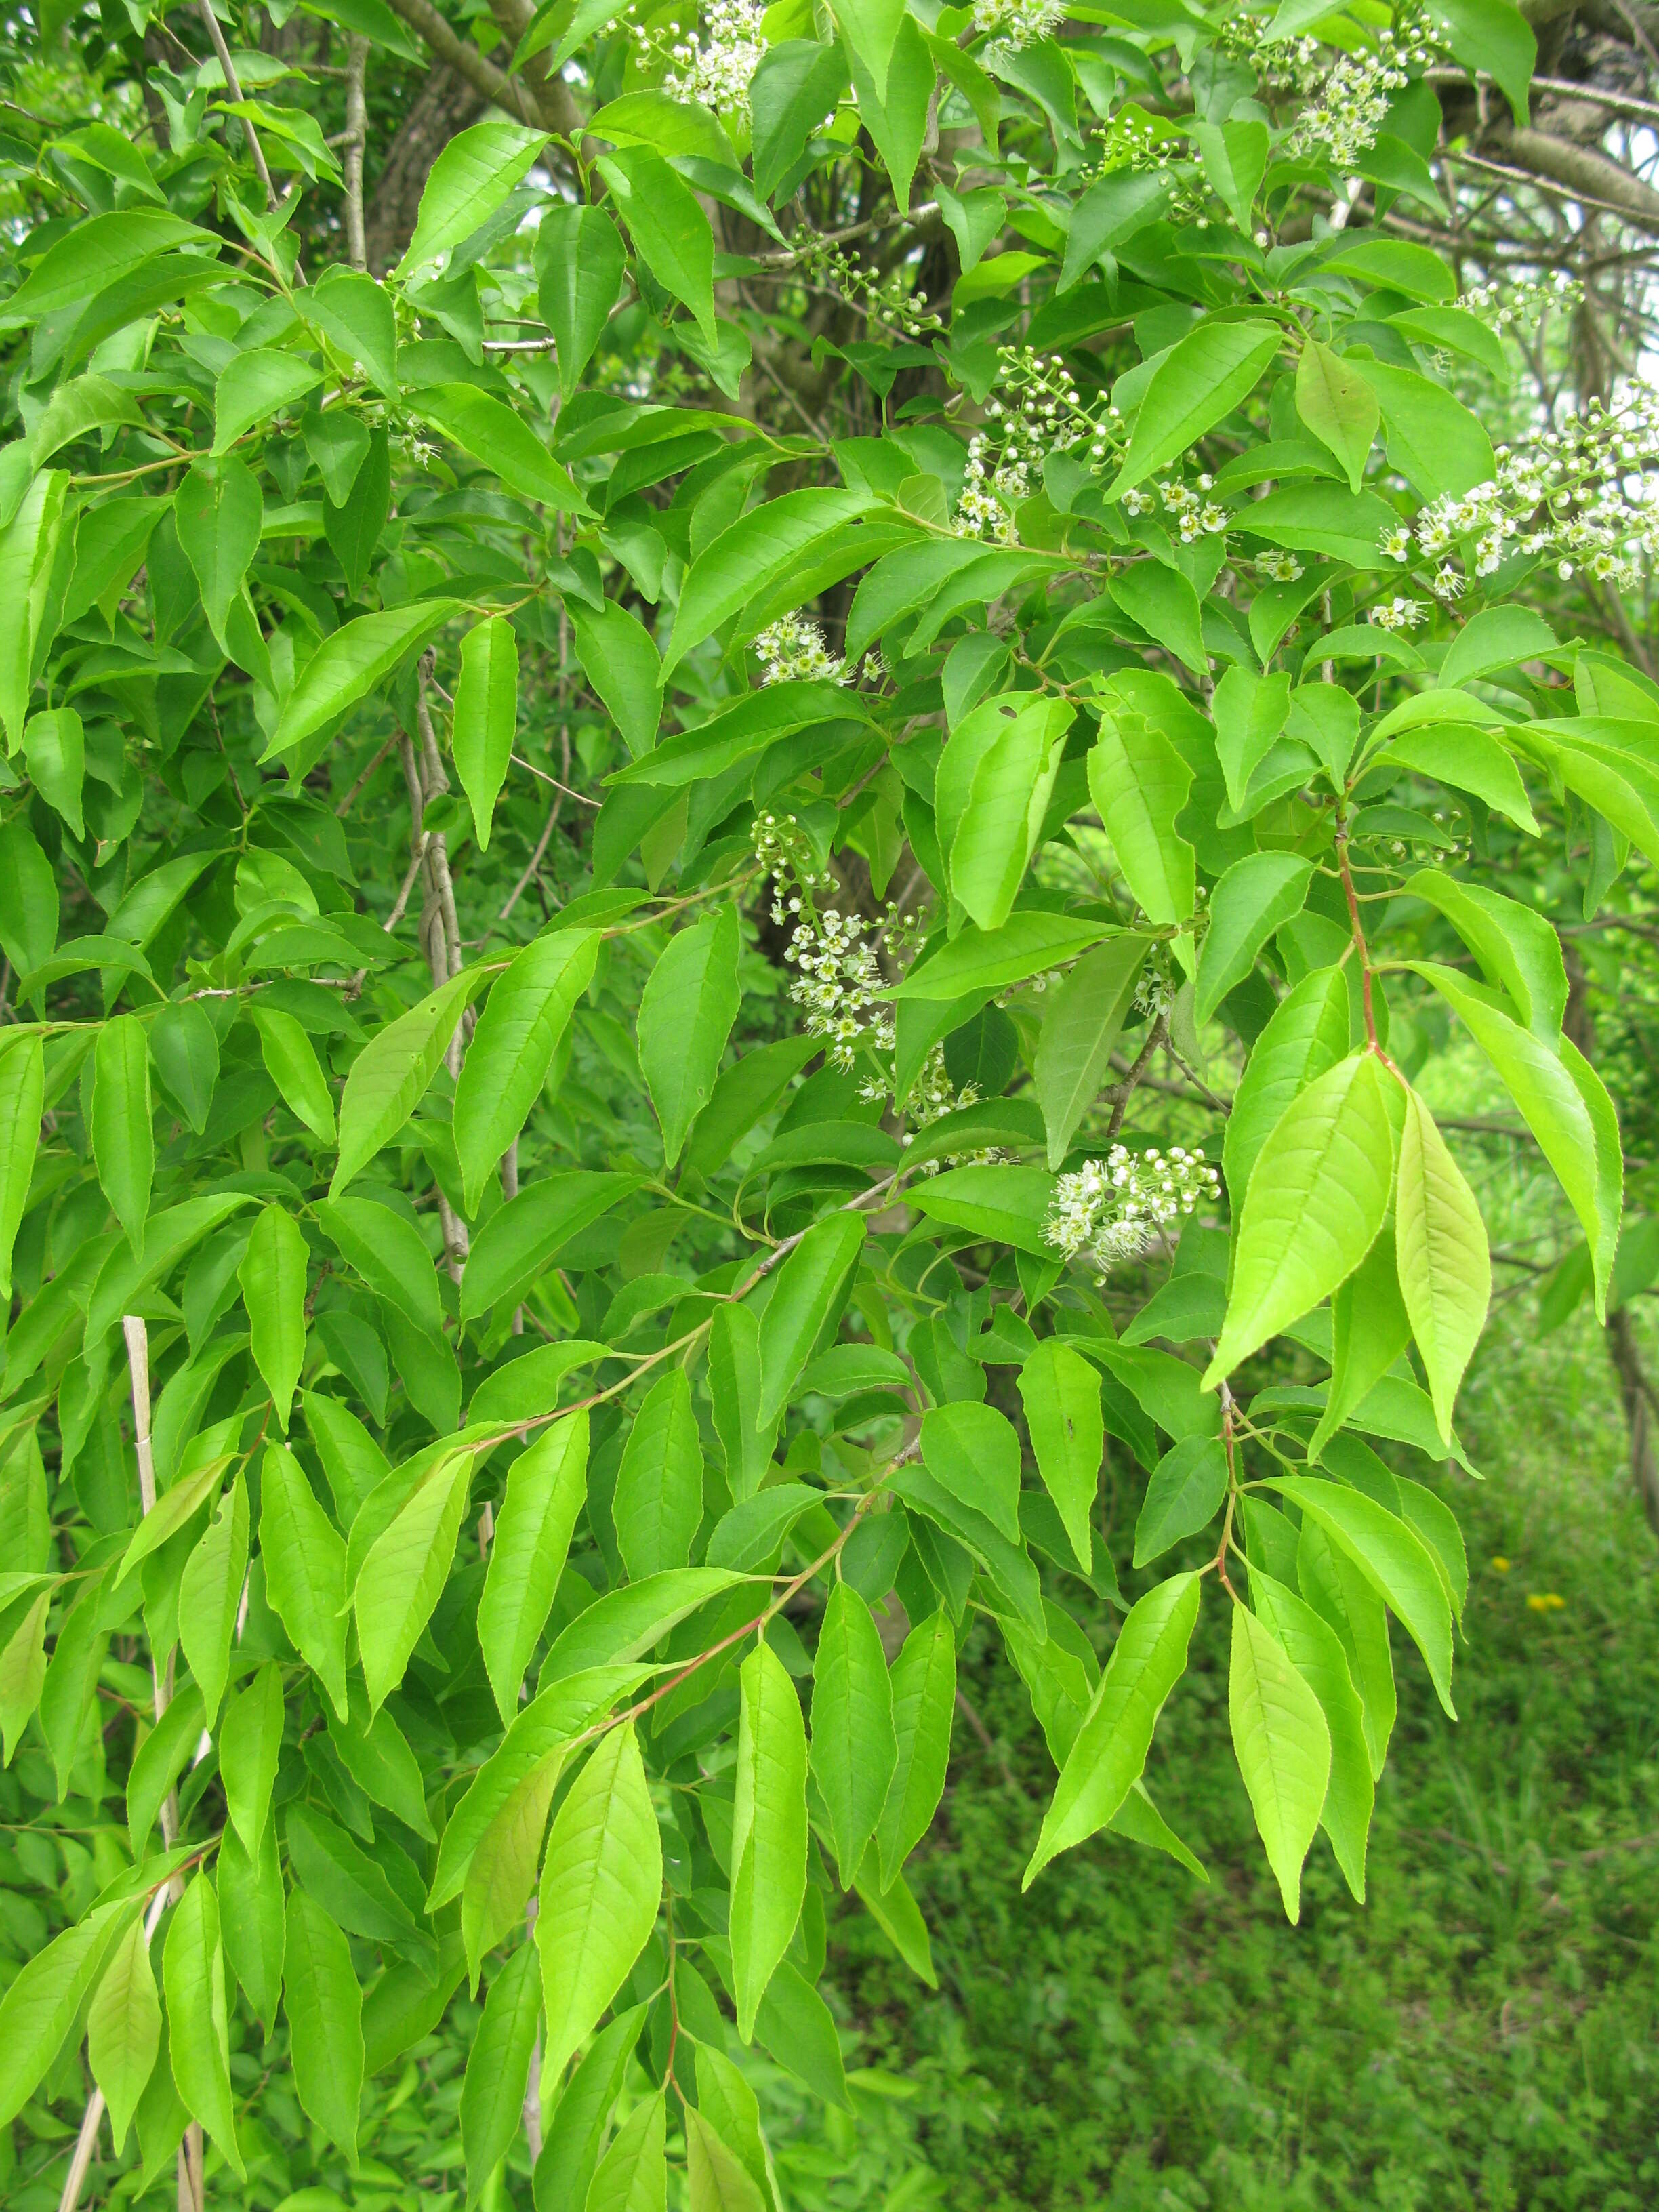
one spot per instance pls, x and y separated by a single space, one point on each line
1028 944
546 1488
581 265
601 1883
323 2005
305 1573
1316 1202
993 829
924 1686
854 1751
734 1387
273 1279
973 1452
470 179
668 227
658 1503
1337 406
22 1674
1140 783
1315 1650
123 2028
210 1594
498 2067
291 1062
506 1063
251 1744
23 1096
403 1576
45 1997
199 2023
253 387
1201 380
717 2179
1307 1035
122 1140
1147 1661
1081 1024
769 1828
686 1013
218 510
633 2175
1518 948
500 1873
811 1285
733 2111
1395 1561
1283 1745
1060 1392
1256 896
389 1077
54 744
1445 1269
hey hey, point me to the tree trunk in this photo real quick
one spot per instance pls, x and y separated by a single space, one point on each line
446 103
1638 1393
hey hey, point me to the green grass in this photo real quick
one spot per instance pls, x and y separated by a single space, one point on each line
1481 2033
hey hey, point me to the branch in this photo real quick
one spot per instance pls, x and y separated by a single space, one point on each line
1586 174
494 84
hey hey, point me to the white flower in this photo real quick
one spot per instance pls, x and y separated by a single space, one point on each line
1112 1210
1397 614
1014 24
717 72
793 648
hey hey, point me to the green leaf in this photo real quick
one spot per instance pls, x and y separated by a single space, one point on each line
159 1762
658 1503
1576 1129
1060 1392
1416 270
43 1999
546 1488
516 1243
356 314
28 561
1338 406
1200 380
1255 897
734 1386
1517 947
974 1451
506 1063
633 2175
54 746
254 1921
403 1577
1007 1204
1497 637
486 717
1081 1024
1493 36
718 2180
1434 440
324 2006
810 1286
1235 156
1445 1271
390 1076
124 2029
210 1595
1184 1495
732 2109
389 1254
1315 1201
1315 1651
498 2067
601 1882
669 228
1306 1036
351 663
855 1752
895 114
273 1279
686 1013
493 434
1469 760
93 255
23 1671
469 180
871 28
744 560
1369 1330
1393 1558
255 386
500 1872
1140 783
1166 606
1147 1661
1028 944
619 658
304 1573
23 1097
577 2129
291 1062
249 1745
1284 1749
123 1142
217 511
769 1828
198 2025
580 264
1250 713
792 91
991 795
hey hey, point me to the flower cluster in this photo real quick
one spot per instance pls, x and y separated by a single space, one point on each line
1038 410
785 853
717 72
1156 987
792 648
933 1096
1011 24
1522 304
838 988
1578 498
1396 614
1346 106
991 489
891 299
1195 515
1112 1210
1278 567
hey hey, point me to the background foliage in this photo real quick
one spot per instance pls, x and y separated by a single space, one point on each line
804 758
